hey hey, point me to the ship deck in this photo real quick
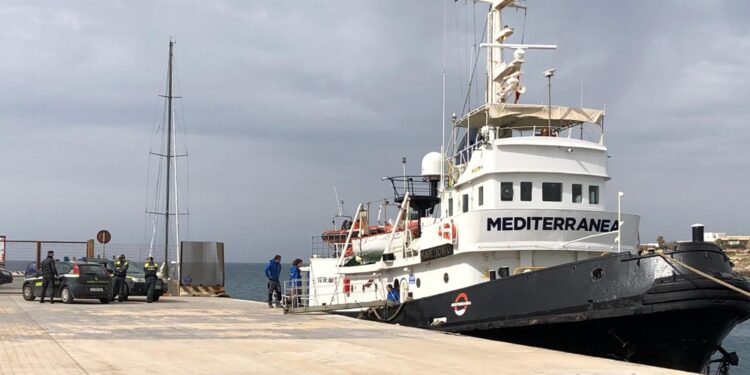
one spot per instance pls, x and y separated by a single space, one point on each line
222 335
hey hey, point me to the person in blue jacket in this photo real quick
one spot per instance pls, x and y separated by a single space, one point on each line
273 270
393 294
295 278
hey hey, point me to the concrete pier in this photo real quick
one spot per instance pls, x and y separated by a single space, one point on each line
194 335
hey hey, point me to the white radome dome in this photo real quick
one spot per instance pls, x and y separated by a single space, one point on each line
431 165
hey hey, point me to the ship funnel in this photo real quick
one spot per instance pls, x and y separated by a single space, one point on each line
697 232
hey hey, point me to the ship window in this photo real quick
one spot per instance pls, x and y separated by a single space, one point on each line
445 277
526 191
506 191
481 195
419 282
450 207
593 194
503 272
465 203
551 191
493 275
577 193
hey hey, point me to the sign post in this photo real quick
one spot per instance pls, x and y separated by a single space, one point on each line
104 237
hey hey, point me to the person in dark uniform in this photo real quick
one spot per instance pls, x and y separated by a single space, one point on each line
121 269
150 268
49 275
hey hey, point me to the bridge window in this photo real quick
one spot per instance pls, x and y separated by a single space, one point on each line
506 191
481 195
450 207
465 203
526 191
577 193
552 191
593 194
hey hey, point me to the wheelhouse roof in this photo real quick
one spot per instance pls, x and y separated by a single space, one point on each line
506 115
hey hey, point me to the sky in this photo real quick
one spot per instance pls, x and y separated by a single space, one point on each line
282 101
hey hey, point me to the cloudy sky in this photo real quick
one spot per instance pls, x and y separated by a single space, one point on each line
284 100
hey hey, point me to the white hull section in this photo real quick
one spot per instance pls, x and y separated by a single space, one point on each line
489 244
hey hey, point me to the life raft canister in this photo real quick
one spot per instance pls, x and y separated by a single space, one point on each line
347 287
447 231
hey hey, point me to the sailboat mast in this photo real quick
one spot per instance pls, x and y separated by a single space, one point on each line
169 158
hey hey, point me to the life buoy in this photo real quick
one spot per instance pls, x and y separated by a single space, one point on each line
447 231
347 287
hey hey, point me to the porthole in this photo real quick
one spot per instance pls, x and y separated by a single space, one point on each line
419 282
503 272
445 277
597 273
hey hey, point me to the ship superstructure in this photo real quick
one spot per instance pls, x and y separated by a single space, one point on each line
521 190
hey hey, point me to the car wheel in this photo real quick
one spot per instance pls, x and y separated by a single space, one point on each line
127 292
156 298
104 300
28 292
66 295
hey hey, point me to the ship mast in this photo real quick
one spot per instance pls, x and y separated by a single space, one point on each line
169 156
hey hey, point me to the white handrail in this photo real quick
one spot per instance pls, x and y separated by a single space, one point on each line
401 211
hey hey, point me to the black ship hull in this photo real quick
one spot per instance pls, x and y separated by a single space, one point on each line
642 309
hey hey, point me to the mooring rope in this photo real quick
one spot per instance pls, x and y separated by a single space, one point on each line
398 311
673 261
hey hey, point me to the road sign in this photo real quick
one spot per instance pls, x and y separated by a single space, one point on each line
103 237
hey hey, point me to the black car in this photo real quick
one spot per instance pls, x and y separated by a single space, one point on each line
5 276
135 279
76 280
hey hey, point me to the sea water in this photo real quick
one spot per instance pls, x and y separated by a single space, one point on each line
248 281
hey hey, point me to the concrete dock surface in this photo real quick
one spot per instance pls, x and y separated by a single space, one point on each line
193 335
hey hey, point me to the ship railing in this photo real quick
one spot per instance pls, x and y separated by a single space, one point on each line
325 248
485 136
414 185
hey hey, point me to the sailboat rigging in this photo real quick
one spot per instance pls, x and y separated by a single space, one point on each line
171 204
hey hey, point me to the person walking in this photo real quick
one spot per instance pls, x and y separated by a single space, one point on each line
273 270
150 268
295 281
121 270
49 275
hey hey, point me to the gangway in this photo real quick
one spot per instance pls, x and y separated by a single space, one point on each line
296 299
288 309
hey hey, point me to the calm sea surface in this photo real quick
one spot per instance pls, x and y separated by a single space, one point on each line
247 281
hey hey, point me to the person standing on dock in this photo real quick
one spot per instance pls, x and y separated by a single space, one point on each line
150 268
121 270
295 281
49 275
273 270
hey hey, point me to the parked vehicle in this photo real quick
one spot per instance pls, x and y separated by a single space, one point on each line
135 280
5 276
76 280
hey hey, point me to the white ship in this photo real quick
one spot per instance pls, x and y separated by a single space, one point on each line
506 236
